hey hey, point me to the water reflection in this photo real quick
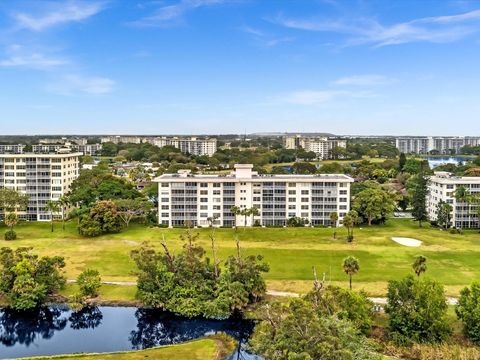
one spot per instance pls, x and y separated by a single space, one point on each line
87 318
24 327
58 330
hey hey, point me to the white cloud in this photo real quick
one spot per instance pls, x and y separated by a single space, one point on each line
71 11
75 84
321 97
264 38
363 80
165 15
440 29
26 57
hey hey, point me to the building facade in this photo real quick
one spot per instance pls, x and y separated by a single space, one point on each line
189 145
200 198
42 177
12 149
440 144
321 146
442 186
87 149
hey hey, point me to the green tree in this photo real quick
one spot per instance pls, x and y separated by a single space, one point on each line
468 310
419 192
246 212
236 211
89 282
52 207
103 218
334 222
417 310
401 162
374 203
304 168
12 201
463 196
420 265
351 266
349 221
63 203
26 280
254 211
444 214
10 220
129 209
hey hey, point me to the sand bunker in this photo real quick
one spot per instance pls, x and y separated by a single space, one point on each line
407 241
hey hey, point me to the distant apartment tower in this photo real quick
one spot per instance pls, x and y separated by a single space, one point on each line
11 149
119 139
440 144
87 149
442 187
199 199
42 177
321 146
189 145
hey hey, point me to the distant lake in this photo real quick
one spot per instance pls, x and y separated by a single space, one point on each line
435 161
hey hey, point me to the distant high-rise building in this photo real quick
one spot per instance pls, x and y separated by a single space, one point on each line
321 146
429 144
11 149
191 145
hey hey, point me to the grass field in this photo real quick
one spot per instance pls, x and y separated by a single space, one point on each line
203 349
291 252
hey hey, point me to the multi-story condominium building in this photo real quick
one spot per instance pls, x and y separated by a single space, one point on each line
11 149
200 198
189 145
440 144
42 177
117 139
442 187
87 149
322 146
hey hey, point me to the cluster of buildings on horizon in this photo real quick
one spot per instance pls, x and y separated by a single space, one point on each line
435 144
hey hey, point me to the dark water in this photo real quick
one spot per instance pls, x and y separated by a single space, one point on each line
58 330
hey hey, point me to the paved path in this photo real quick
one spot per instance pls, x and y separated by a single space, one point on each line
376 300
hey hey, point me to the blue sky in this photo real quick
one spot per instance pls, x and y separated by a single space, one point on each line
230 66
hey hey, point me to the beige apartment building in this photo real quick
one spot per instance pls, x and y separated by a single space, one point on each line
42 177
201 198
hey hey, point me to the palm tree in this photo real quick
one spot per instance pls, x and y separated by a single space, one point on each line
351 266
235 210
349 222
462 195
334 221
246 213
420 265
254 212
52 206
63 202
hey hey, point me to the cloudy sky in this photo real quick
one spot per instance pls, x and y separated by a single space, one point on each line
229 66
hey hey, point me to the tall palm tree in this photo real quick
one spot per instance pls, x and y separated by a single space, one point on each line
246 213
235 210
462 195
52 206
334 221
420 265
63 202
254 212
351 266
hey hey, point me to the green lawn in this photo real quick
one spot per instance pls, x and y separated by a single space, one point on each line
203 349
291 252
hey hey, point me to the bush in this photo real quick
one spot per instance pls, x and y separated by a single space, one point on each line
89 282
417 310
468 310
10 235
103 218
456 231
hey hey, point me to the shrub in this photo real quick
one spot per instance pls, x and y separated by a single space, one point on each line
10 235
468 310
89 282
456 231
103 218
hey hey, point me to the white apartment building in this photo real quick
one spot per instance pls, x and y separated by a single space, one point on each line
442 144
87 149
42 177
321 146
189 145
442 186
198 198
11 148
117 139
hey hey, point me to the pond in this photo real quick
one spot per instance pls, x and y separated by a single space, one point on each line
435 161
58 330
